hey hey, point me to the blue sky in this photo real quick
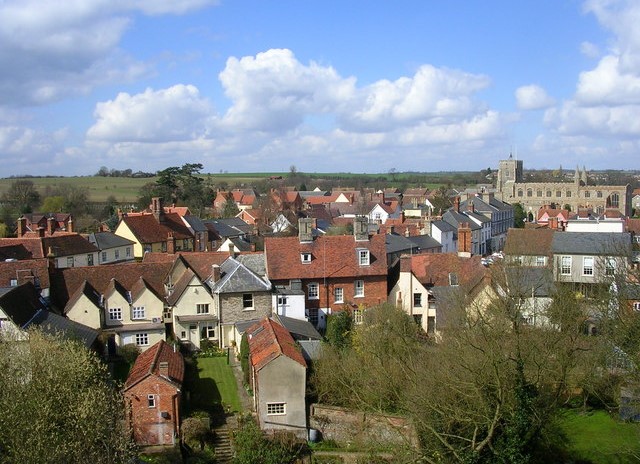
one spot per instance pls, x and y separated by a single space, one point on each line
357 86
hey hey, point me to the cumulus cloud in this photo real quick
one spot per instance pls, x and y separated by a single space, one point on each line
49 50
173 114
533 97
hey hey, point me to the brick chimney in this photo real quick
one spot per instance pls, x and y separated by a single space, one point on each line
232 250
553 223
51 226
22 226
171 243
70 227
305 229
470 206
215 272
156 209
464 240
163 369
456 204
361 228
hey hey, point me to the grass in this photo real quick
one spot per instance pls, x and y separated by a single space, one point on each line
596 437
215 385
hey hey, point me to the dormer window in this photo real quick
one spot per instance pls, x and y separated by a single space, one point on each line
305 258
363 256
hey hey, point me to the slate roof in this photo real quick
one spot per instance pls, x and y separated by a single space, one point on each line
425 242
592 243
454 218
256 261
298 328
396 243
444 226
269 340
24 270
148 363
195 223
147 229
51 323
65 282
332 256
21 304
237 278
530 281
529 242
108 240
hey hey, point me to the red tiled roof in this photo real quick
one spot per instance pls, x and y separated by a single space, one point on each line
433 269
67 245
268 340
331 256
32 244
147 229
633 225
148 363
23 270
529 242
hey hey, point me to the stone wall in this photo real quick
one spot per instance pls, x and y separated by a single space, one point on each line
348 426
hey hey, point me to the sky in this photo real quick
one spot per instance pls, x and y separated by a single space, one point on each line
325 86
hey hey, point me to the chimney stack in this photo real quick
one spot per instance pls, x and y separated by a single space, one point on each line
464 240
232 250
171 243
456 204
156 208
22 226
361 228
70 227
215 272
51 226
163 369
305 229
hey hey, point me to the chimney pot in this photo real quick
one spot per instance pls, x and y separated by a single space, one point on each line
163 369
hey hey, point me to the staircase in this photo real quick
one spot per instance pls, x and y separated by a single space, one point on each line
222 445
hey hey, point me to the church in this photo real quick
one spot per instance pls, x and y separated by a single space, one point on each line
577 195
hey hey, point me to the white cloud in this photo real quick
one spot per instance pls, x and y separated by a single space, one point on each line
607 85
590 50
533 97
173 114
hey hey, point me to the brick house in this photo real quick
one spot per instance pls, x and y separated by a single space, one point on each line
152 394
335 272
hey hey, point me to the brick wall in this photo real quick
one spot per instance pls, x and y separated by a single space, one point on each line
147 423
375 292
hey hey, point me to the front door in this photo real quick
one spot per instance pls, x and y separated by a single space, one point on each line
193 335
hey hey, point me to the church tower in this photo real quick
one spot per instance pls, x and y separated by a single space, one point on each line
509 172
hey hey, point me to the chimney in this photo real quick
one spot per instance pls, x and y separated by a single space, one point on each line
163 369
390 230
51 257
305 229
70 227
40 232
405 263
171 243
464 240
215 272
156 208
470 206
22 226
232 250
553 223
456 204
361 228
51 226
120 214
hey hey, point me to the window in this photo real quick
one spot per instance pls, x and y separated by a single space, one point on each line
104 256
529 192
610 266
183 334
313 316
587 193
70 261
116 254
202 308
558 193
613 201
548 193
282 300
90 259
14 282
276 409
247 301
151 401
541 260
568 194
538 193
363 257
565 265
636 305
115 314
338 295
185 244
313 291
587 265
358 290
520 193
599 194
305 258
128 252
208 331
417 299
142 339
137 312
358 316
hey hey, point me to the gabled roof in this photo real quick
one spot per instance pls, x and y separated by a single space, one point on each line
195 223
86 290
592 243
201 262
147 229
443 226
17 251
108 240
68 245
65 282
36 270
229 227
331 256
425 242
236 278
269 340
396 243
116 287
298 328
455 218
21 304
181 285
51 323
529 242
447 269
148 363
33 245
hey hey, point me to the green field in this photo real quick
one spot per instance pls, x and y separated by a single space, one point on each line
595 437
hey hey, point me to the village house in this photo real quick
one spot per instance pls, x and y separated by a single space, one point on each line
152 393
111 247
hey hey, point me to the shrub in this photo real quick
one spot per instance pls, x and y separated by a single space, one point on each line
209 349
129 353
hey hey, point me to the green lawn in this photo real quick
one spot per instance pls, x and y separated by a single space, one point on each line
214 385
595 437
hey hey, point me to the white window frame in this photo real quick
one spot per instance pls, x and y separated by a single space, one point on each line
363 257
417 300
358 289
116 254
305 258
245 300
565 265
541 261
90 259
151 401
142 339
115 314
338 295
587 265
103 255
138 312
313 291
202 308
636 305
128 252
276 409
358 316
70 261
610 266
